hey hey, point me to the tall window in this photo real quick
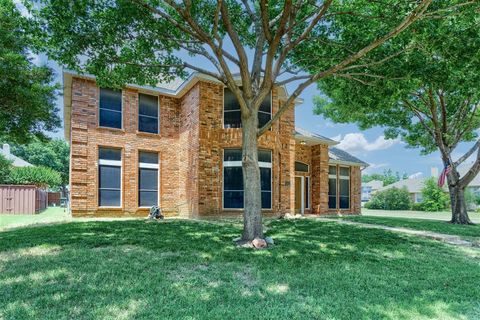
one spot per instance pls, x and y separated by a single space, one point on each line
339 187
147 113
148 179
110 107
307 192
232 117
233 191
110 177
344 187
332 187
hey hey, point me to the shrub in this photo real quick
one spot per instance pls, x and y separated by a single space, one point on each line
39 176
5 168
390 199
434 197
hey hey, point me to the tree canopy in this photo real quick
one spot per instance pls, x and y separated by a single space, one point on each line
54 154
426 90
27 95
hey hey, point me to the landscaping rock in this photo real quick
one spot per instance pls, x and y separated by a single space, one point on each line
269 240
259 243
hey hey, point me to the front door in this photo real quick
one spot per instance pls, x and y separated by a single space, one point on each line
299 195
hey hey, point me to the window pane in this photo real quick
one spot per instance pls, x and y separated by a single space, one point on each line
266 104
232 155
266 179
147 124
232 119
109 198
344 171
230 101
233 199
344 187
148 157
109 154
148 105
263 118
148 179
302 167
332 202
110 119
332 187
332 170
111 99
232 178
148 198
344 202
109 177
266 200
264 156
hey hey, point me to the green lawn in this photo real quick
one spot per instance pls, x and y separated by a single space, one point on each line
51 214
191 270
469 231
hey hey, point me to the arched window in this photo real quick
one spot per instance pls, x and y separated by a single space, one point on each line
301 167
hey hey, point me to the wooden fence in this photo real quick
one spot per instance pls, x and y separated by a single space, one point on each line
22 199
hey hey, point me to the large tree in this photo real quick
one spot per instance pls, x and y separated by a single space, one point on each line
27 95
53 154
265 41
427 90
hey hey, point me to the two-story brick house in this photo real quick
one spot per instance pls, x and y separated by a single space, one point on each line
178 146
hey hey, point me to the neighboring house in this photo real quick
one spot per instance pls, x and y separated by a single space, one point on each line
414 187
16 161
369 188
179 146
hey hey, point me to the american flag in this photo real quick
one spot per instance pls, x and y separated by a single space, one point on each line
443 175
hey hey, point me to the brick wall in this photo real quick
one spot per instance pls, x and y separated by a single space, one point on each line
190 146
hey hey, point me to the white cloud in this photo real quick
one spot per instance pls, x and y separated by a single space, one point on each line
358 142
373 166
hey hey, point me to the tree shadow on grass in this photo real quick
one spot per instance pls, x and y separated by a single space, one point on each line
187 269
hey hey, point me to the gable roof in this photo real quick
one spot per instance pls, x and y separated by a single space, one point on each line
309 138
412 185
16 161
342 157
374 184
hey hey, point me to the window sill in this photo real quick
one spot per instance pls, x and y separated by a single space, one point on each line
148 134
109 208
113 130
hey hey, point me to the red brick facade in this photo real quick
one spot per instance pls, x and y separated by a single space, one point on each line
190 147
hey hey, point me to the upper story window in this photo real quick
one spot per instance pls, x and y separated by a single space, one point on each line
148 113
232 117
110 177
110 107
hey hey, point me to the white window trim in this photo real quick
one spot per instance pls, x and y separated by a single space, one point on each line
144 165
112 163
100 108
139 115
261 164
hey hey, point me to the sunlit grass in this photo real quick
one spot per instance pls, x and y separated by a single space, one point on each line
191 270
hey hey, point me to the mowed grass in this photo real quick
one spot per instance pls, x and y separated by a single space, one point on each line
464 231
191 270
50 215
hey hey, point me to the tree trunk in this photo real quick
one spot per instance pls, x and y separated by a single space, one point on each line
252 214
459 205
